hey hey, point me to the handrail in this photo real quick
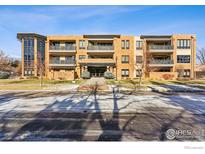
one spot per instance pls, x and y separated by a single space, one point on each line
161 47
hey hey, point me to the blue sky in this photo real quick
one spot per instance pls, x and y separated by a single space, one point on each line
127 20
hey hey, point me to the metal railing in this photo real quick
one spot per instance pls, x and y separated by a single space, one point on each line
63 47
161 61
62 62
161 47
100 47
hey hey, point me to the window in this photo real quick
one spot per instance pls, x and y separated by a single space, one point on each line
28 55
183 44
70 59
82 57
183 72
138 59
138 72
187 73
125 73
125 44
82 44
183 59
125 59
138 44
28 72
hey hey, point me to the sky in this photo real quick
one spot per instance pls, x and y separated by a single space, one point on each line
125 20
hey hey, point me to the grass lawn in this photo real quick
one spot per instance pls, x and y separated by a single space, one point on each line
33 84
37 81
21 87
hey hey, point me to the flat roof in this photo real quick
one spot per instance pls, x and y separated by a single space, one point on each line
102 36
22 35
155 36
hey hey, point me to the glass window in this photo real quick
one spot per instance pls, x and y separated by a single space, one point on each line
183 58
125 72
183 44
125 59
82 44
123 44
138 44
127 44
138 72
28 55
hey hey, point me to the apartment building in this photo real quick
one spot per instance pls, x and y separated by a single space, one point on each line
165 56
126 57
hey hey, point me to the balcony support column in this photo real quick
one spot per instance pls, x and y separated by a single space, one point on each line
108 68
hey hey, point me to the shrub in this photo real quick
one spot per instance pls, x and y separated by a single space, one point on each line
168 76
32 77
4 75
108 75
85 75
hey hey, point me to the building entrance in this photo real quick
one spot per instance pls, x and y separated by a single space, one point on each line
97 71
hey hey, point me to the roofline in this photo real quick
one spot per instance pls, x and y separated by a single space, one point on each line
155 36
101 35
22 35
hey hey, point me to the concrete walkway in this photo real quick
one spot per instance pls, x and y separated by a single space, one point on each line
95 81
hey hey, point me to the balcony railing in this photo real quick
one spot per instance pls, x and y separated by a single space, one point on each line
161 47
100 47
62 47
161 61
62 62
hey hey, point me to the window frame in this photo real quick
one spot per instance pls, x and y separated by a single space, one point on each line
139 45
125 59
83 44
124 72
183 43
181 59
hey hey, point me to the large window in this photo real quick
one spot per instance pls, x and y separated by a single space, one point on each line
28 56
183 44
138 44
82 44
125 59
125 44
125 72
41 50
183 58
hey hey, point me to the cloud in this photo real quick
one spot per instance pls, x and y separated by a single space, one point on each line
84 12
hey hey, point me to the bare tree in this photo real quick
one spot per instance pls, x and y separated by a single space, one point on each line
201 55
9 64
139 64
5 62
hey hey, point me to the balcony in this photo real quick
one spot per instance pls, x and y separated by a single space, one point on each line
97 62
161 48
57 49
161 62
62 63
97 48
